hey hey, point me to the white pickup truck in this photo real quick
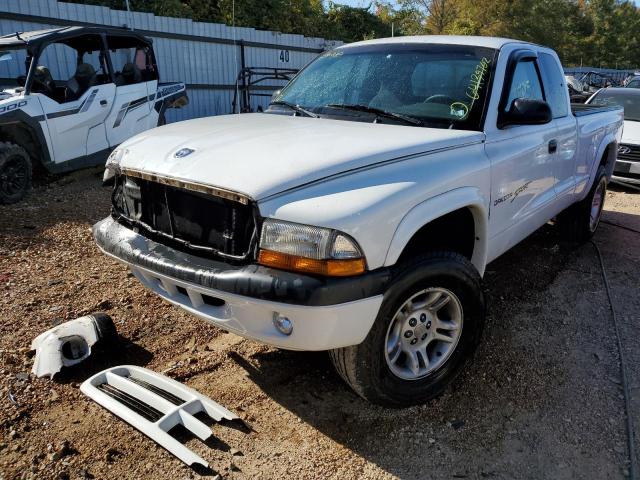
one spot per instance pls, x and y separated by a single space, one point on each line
358 214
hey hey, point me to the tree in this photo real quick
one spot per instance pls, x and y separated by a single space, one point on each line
589 32
428 16
352 24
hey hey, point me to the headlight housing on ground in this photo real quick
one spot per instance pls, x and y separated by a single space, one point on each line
308 249
112 166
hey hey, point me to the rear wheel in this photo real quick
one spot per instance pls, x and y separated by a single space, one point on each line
428 326
582 219
15 173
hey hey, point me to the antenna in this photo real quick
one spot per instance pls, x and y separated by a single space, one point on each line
129 14
235 49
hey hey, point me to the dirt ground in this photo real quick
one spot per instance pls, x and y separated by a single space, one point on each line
541 398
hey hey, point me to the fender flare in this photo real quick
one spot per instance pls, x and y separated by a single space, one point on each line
433 208
609 139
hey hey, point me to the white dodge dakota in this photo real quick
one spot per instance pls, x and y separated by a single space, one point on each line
358 213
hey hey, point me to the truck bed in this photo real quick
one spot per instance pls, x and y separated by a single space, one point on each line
581 109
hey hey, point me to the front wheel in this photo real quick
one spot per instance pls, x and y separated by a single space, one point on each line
428 326
15 173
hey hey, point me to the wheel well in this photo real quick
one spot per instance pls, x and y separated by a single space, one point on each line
454 231
608 159
24 136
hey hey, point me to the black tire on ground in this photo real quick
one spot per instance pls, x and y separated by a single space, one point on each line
365 367
15 173
580 221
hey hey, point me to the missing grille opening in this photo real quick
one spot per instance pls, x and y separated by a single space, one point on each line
213 301
182 290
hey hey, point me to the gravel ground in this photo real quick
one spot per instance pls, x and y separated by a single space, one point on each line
541 399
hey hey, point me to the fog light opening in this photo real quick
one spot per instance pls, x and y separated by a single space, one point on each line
282 324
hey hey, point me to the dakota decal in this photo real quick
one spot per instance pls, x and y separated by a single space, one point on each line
511 195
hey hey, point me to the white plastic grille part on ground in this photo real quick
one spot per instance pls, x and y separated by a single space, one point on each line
154 404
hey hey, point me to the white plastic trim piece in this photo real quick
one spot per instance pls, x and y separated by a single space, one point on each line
69 343
155 395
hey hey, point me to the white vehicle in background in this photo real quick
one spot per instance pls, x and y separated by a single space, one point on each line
627 167
359 212
63 120
633 82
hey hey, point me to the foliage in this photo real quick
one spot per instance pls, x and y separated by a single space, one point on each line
591 32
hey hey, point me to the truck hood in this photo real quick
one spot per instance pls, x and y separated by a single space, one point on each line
631 132
261 154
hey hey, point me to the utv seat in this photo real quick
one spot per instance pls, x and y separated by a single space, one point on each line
82 80
130 75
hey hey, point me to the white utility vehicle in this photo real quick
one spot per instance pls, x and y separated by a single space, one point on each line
63 120
358 214
627 167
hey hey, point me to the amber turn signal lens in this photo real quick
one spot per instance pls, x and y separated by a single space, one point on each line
328 268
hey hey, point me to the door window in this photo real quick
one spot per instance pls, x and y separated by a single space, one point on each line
66 70
132 60
554 85
525 83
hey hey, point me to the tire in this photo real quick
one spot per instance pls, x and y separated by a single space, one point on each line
368 367
15 173
580 221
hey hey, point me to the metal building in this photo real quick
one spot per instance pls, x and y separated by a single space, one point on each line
207 56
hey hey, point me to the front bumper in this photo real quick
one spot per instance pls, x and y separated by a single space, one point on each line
326 312
626 171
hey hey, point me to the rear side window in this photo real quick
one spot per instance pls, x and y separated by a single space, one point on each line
554 84
132 60
525 83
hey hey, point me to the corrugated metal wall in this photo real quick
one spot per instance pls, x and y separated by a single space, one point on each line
201 54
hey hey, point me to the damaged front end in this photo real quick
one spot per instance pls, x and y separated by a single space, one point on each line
191 217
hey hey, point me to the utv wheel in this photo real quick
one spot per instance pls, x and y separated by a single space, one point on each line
581 220
428 326
15 173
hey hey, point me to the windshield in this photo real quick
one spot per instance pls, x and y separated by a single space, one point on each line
442 86
629 100
635 83
13 68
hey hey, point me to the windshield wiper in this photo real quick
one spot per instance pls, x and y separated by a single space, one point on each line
378 112
296 108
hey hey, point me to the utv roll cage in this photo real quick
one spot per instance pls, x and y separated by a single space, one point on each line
249 80
75 37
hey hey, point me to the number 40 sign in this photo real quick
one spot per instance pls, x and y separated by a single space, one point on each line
283 56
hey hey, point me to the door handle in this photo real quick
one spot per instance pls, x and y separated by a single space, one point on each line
553 146
103 102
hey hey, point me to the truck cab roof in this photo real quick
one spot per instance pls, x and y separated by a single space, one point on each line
488 42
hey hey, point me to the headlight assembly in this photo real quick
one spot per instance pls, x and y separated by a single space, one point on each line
307 249
112 166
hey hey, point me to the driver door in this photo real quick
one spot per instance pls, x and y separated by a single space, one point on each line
522 159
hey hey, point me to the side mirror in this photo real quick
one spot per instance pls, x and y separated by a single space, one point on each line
526 111
275 95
